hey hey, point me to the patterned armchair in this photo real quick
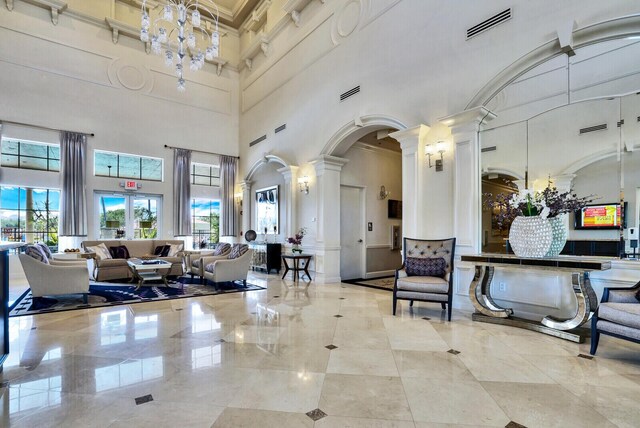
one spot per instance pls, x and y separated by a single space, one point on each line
427 272
618 315
198 264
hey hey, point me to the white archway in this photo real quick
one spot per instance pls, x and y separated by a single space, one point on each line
352 131
617 28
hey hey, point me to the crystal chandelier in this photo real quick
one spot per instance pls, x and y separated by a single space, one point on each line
179 35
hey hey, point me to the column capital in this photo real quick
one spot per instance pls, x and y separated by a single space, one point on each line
411 138
289 172
328 163
245 185
468 120
563 182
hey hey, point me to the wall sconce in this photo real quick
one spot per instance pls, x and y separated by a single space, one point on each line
430 150
383 193
238 197
303 184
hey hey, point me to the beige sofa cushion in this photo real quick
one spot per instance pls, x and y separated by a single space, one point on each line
108 263
139 247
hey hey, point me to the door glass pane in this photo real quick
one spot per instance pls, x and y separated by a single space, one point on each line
145 218
112 216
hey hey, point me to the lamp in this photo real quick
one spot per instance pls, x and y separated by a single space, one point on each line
383 193
303 184
430 150
180 34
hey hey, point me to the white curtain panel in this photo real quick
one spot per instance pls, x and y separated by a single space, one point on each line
73 172
181 192
228 168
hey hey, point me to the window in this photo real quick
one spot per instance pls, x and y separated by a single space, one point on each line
205 175
205 222
30 155
120 165
29 215
125 215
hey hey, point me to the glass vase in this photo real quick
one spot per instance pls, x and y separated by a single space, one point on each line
530 236
559 235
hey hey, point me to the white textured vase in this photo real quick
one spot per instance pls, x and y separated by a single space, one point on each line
560 232
530 236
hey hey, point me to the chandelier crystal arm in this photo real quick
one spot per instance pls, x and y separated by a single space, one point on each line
188 18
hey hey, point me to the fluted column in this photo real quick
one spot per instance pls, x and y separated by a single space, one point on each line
246 205
290 174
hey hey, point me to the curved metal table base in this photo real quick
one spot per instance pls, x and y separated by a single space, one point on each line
490 311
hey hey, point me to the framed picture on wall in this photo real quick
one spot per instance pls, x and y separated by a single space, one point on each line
267 210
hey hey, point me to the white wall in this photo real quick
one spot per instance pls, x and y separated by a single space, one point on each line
72 76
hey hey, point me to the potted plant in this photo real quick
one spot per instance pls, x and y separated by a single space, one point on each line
296 241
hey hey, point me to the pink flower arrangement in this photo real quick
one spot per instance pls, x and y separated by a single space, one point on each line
297 239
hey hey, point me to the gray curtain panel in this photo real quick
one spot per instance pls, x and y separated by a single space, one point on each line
181 192
228 168
73 197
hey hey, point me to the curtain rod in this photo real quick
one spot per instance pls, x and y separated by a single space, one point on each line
199 151
44 127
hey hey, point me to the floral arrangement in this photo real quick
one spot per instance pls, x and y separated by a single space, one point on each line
297 239
548 203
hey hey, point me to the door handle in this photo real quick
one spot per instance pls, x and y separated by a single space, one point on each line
360 241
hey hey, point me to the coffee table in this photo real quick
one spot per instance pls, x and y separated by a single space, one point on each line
149 270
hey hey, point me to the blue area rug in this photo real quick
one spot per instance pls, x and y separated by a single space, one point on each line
111 294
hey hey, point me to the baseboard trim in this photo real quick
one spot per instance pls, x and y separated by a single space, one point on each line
379 274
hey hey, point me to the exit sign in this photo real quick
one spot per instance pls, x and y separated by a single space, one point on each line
131 185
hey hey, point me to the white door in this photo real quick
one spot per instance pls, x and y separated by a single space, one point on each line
351 232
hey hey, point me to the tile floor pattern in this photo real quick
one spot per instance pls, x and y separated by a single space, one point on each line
254 359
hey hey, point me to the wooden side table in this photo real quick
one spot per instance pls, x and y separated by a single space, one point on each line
299 263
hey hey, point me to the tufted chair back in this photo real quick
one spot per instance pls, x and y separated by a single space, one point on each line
430 249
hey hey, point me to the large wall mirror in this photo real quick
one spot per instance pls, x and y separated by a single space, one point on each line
573 122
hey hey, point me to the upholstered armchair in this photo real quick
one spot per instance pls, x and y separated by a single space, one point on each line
56 278
198 264
618 315
234 267
427 272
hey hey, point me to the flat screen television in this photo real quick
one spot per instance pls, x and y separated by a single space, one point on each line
599 217
394 209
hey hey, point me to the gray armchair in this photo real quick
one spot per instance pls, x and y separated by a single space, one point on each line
424 288
197 264
618 315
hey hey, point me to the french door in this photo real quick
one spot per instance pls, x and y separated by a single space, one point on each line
127 215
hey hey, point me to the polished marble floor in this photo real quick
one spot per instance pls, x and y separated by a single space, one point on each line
329 355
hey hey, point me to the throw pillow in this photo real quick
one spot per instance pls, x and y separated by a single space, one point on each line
221 248
101 251
237 250
162 250
174 249
36 252
416 266
45 249
119 252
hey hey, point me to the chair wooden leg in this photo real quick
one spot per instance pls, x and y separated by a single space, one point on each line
449 312
411 303
395 303
85 298
443 305
595 335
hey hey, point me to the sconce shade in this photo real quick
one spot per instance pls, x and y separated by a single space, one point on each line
441 146
428 149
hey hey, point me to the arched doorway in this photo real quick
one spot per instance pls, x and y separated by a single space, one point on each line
349 193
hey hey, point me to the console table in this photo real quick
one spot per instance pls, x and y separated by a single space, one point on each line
266 257
578 267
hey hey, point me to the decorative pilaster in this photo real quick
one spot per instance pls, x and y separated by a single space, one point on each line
412 142
465 127
290 174
328 169
246 205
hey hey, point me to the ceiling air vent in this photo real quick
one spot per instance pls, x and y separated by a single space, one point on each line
620 123
281 128
489 149
638 118
349 93
593 128
257 140
485 25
